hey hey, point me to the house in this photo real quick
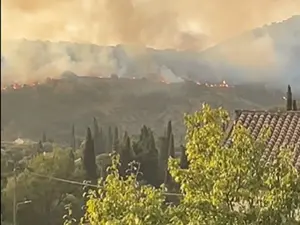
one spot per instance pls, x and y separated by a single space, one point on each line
284 126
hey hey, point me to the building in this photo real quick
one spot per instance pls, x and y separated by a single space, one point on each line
284 126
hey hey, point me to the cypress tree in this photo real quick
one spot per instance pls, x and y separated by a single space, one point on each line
152 144
125 137
102 141
73 139
169 130
72 160
167 179
44 137
184 164
109 143
144 133
152 162
89 158
171 146
116 134
165 146
163 153
295 105
40 147
289 101
171 152
97 143
126 154
116 146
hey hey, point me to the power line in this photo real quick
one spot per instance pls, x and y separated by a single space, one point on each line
82 183
64 180
76 182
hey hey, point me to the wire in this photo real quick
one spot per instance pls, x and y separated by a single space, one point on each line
84 184
76 182
63 180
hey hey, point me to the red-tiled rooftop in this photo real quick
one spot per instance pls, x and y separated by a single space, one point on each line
284 126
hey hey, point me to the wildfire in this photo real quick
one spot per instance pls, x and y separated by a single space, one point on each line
223 84
17 86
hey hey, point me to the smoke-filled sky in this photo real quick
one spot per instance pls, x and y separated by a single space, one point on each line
180 24
177 24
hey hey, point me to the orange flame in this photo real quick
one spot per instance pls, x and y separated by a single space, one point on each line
17 86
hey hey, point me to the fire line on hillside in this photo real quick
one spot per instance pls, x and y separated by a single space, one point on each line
17 86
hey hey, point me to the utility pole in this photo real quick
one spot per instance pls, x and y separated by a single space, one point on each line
15 196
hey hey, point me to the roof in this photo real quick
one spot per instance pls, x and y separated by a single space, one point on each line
284 126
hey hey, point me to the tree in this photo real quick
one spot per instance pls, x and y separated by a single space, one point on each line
116 143
89 158
222 185
289 101
166 149
102 141
125 201
184 164
44 137
171 146
171 153
40 147
97 138
169 130
168 181
47 196
109 140
126 154
295 105
73 138
231 185
162 157
149 159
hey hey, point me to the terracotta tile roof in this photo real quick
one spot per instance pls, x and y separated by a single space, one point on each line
285 131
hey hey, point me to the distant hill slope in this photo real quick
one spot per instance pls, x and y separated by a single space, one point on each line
56 105
278 41
281 41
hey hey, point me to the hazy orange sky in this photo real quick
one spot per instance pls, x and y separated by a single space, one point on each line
177 24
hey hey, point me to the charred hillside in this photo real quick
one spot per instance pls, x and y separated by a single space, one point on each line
53 106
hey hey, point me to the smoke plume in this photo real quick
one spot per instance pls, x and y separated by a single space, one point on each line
161 24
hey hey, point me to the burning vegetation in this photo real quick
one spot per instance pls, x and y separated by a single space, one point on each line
17 85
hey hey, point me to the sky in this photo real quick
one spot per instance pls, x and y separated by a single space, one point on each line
178 24
162 24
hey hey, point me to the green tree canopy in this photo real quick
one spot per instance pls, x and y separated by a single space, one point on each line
231 185
221 185
47 196
124 201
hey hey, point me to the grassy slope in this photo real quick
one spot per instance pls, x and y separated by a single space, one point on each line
126 103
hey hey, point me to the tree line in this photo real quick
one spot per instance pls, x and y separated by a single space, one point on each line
152 158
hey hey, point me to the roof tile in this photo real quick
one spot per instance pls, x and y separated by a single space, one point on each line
284 127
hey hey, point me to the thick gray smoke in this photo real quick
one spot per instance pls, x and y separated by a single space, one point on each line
176 24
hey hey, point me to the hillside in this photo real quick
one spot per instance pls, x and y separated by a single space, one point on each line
276 45
245 58
129 103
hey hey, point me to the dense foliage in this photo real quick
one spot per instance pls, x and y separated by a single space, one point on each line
222 184
211 183
48 197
